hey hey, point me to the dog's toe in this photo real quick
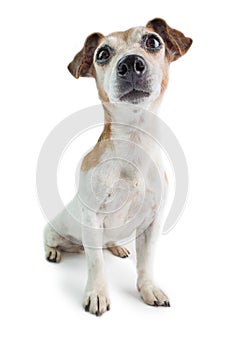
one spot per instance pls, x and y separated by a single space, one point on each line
121 252
96 303
153 295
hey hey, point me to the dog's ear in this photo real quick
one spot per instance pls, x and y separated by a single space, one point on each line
176 42
82 64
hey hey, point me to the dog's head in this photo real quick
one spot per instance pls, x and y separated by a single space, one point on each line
131 66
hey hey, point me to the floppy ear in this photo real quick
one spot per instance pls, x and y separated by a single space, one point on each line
82 64
176 43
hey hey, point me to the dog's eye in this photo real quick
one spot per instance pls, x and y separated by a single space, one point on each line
103 54
152 43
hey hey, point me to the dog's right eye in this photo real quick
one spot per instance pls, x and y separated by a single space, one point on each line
103 54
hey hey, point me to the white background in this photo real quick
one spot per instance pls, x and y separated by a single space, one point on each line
41 302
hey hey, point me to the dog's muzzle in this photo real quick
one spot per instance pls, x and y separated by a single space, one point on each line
132 81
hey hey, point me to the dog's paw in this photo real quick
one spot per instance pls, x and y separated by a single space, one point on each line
119 251
96 302
52 254
153 295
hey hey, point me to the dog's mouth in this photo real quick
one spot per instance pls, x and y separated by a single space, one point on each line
134 96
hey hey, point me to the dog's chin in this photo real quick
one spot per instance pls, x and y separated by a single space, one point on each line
135 96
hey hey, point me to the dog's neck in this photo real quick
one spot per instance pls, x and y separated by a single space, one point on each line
131 132
126 120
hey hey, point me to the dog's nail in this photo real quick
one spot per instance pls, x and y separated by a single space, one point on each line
156 303
166 303
87 306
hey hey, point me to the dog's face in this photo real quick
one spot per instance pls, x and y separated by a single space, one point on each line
131 66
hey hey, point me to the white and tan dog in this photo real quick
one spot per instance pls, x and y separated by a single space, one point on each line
124 171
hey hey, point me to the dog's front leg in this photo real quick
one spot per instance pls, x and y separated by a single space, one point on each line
96 299
145 246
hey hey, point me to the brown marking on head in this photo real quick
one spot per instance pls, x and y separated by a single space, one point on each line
177 44
82 64
125 43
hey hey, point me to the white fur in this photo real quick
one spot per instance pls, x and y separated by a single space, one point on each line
129 176
142 181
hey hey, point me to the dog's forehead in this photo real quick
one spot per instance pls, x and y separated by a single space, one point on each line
132 35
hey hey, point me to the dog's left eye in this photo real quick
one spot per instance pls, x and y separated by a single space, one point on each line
103 54
151 42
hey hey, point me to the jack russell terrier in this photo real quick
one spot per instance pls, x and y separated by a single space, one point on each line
124 171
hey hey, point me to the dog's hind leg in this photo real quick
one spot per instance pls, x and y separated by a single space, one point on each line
55 244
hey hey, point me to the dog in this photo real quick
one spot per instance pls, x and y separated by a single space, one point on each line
124 171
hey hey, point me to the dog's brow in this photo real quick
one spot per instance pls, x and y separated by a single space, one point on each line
131 35
137 33
111 40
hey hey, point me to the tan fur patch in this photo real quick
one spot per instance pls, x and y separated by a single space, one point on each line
165 79
106 133
176 42
93 157
102 94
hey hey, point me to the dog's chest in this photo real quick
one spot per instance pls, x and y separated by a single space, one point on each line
127 182
129 164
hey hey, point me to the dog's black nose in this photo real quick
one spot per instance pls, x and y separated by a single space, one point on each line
131 67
